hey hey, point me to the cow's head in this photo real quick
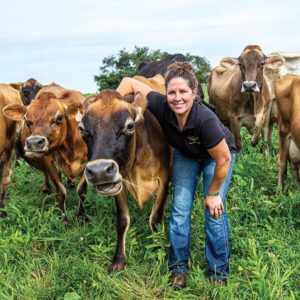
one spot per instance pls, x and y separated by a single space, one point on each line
45 119
109 127
28 90
252 63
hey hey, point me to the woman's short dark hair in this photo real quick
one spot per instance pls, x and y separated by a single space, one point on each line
183 70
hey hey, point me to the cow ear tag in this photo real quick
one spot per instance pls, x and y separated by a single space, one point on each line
139 114
78 116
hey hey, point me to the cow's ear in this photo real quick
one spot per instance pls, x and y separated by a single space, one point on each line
274 62
88 101
140 104
14 112
229 62
16 86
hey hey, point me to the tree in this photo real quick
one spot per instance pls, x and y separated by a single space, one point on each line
125 64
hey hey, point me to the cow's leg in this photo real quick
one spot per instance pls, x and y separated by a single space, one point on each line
123 221
295 174
235 125
6 173
3 194
158 206
81 191
284 143
273 120
266 129
270 132
46 188
58 185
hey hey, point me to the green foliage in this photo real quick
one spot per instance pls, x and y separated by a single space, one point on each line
40 258
125 64
200 65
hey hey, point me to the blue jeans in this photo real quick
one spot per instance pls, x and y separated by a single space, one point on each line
186 173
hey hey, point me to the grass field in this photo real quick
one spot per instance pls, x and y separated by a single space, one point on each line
40 258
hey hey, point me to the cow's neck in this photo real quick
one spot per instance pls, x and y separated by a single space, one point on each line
254 102
66 152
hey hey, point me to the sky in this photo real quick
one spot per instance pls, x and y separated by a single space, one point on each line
65 41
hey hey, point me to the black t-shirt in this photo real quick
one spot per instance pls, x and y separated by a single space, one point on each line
203 130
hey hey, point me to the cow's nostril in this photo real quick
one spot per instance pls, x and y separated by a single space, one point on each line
41 143
110 169
89 173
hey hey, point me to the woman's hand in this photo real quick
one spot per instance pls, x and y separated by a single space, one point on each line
131 86
215 205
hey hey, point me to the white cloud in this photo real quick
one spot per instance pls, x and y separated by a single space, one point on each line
65 41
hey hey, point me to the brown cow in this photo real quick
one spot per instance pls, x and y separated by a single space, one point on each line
271 75
288 103
28 89
51 140
128 154
56 90
8 95
238 90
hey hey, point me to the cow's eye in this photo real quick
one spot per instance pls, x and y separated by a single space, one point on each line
130 128
28 123
240 64
262 64
59 119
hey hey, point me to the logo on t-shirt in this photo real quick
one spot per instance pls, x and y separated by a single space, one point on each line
193 140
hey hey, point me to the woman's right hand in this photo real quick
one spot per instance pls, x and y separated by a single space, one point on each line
215 205
131 86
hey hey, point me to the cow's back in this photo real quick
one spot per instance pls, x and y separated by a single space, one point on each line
8 95
283 99
222 84
150 69
51 88
157 83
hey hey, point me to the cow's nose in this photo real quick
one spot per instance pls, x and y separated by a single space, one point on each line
250 86
101 172
36 143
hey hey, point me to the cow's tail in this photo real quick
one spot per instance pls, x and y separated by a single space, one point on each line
2 128
295 120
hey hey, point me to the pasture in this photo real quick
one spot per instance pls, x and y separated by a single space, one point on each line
41 258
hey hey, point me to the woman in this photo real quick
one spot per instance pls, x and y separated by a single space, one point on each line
202 145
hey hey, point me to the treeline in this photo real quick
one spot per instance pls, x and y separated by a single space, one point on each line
126 64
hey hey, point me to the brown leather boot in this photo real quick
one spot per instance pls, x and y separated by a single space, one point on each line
178 280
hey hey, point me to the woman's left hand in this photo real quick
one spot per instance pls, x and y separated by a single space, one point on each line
215 205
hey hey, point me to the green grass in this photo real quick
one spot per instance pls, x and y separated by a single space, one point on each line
40 258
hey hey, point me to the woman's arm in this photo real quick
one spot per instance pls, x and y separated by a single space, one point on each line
131 86
221 154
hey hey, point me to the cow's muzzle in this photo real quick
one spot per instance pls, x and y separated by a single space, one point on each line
36 146
249 87
104 175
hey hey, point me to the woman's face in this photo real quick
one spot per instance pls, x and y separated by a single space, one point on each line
180 96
